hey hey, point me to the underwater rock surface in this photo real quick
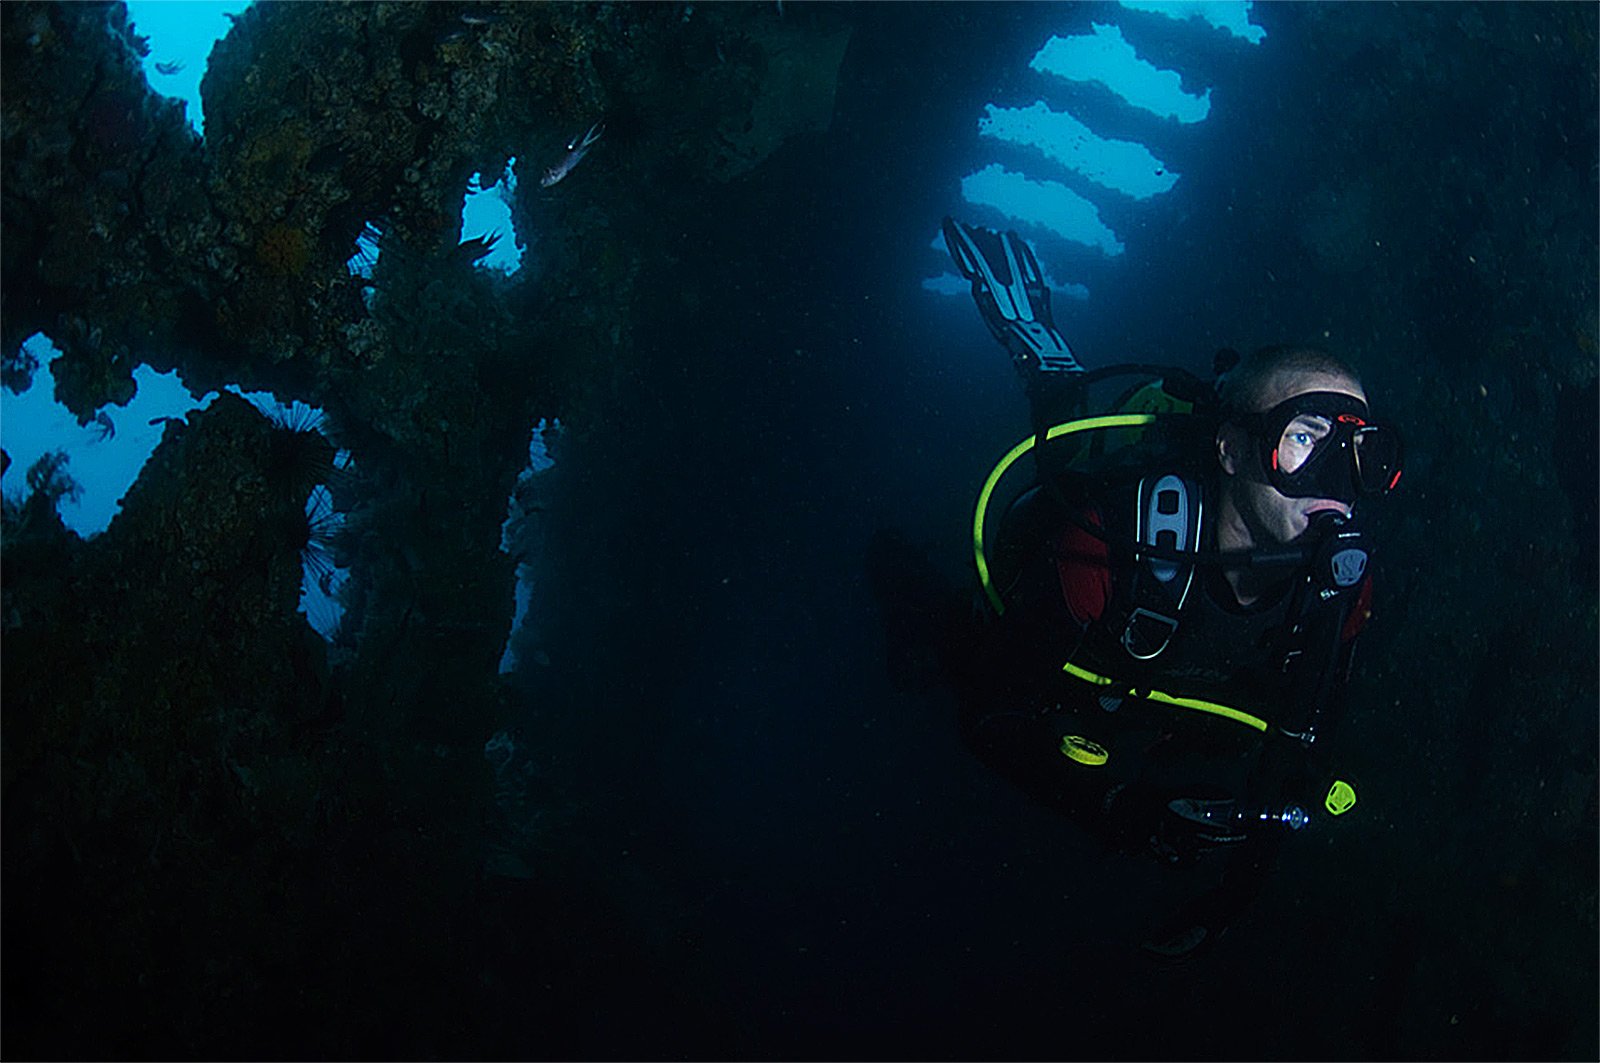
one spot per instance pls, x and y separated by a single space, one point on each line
188 767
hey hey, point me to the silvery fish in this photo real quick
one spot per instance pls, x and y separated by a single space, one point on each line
576 150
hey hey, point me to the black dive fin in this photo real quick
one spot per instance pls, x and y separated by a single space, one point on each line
1012 296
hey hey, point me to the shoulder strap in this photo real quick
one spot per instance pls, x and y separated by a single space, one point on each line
1168 509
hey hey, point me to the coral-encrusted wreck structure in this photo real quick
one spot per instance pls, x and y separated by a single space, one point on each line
203 801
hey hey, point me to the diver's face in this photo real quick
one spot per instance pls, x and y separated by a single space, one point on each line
1268 514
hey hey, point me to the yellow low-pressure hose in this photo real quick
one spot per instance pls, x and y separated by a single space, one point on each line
1086 424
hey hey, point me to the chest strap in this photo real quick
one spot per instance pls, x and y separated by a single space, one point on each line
1128 690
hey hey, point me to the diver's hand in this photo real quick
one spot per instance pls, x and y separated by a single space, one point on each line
1012 297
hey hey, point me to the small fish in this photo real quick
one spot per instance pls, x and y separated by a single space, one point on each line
170 67
479 247
104 429
576 150
480 18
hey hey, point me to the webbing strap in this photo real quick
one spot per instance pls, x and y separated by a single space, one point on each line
1197 704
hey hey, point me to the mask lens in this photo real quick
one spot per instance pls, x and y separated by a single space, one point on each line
1300 437
1377 455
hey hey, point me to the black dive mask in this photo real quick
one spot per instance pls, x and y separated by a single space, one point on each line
1321 445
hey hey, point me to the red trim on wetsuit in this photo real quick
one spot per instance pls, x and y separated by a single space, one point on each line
1359 612
1083 564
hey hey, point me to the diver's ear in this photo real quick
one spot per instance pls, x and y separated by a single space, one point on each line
1231 445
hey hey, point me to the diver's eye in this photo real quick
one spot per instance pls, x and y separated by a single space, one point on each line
1299 438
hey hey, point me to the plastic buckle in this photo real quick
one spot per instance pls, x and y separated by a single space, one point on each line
1133 633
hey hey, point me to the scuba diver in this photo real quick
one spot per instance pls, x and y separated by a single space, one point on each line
1168 612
